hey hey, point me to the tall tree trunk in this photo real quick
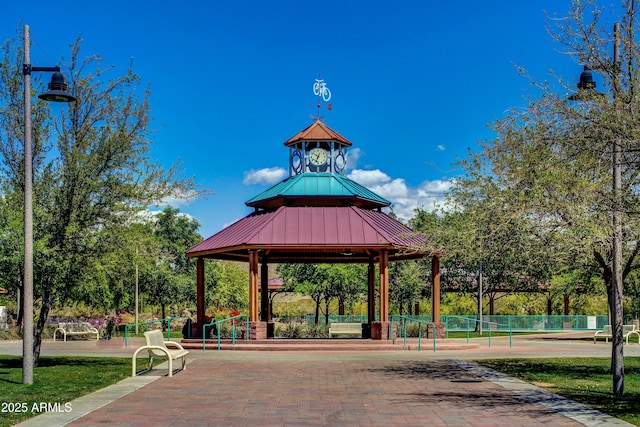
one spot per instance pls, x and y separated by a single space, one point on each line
163 309
317 317
39 327
326 311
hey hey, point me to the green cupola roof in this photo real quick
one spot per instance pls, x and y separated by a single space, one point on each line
318 189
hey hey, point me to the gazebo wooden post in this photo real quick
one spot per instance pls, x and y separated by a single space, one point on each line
200 300
371 302
380 329
384 286
264 292
265 301
435 296
258 329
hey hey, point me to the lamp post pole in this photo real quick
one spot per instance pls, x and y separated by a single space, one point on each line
56 93
27 284
617 365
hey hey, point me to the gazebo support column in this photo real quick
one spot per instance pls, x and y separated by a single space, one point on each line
380 330
200 304
265 306
371 300
258 329
435 297
196 327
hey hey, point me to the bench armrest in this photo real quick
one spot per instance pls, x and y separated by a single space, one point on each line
174 344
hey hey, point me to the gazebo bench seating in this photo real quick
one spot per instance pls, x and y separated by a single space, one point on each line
345 329
74 329
158 348
607 333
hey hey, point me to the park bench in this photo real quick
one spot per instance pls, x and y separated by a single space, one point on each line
345 329
75 329
158 348
607 333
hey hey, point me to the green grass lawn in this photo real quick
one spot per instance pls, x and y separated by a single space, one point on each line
585 380
56 382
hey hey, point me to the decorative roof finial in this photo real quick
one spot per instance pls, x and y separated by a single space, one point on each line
324 94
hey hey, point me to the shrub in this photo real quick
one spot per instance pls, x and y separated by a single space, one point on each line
291 330
318 331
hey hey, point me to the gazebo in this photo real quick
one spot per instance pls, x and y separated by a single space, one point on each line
316 215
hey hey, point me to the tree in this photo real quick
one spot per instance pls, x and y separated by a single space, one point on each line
228 285
551 162
92 170
169 282
325 282
407 280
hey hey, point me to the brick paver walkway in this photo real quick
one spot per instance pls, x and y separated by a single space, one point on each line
320 388
304 390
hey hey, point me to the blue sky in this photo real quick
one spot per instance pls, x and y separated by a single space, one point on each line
414 83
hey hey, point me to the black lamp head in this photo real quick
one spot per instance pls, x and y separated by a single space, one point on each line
57 90
586 87
586 79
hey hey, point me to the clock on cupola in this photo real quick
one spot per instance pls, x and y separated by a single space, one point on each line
318 148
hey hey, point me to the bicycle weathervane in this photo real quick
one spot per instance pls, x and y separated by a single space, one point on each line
323 93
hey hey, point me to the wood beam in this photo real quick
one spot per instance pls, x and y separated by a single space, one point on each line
264 292
371 301
384 286
253 286
200 298
435 289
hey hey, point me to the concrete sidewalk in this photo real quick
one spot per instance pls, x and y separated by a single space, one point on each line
335 388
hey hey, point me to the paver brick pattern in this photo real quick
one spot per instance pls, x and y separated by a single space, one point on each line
293 389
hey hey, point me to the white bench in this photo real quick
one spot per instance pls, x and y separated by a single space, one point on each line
607 333
158 348
72 329
345 329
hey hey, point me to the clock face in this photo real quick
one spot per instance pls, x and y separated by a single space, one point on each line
318 156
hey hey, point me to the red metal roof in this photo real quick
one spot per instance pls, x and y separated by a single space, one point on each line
318 131
321 232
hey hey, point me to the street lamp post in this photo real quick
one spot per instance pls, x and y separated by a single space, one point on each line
587 91
56 93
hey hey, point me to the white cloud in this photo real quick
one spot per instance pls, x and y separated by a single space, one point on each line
369 177
177 200
404 199
265 176
441 147
353 155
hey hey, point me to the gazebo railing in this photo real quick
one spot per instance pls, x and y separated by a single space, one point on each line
406 319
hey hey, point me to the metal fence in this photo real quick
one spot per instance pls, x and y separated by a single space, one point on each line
533 323
540 322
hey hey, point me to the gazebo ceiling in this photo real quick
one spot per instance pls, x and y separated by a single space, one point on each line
331 234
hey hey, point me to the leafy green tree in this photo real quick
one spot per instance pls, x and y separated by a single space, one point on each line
228 286
325 282
551 161
170 281
407 281
306 279
92 170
